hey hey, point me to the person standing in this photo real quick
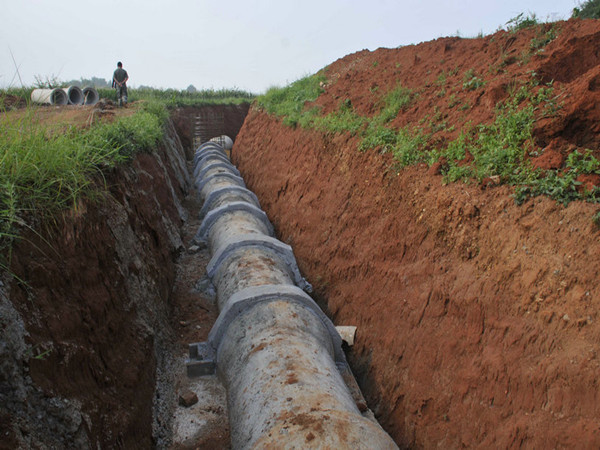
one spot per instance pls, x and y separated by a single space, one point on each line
120 78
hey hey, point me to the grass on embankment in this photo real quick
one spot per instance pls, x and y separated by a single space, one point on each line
44 171
172 98
497 151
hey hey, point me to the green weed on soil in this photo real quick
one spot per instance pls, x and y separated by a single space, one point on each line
42 172
289 102
589 9
498 151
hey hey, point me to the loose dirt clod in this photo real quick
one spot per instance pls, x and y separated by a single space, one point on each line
187 398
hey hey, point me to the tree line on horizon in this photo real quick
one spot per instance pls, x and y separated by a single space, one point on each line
103 83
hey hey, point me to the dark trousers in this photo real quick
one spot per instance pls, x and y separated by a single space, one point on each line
122 95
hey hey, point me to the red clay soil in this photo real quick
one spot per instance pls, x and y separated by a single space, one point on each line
477 318
503 61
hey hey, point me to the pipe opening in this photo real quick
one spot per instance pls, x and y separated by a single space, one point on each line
74 95
49 96
58 97
90 95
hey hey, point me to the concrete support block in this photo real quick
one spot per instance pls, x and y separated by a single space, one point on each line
201 361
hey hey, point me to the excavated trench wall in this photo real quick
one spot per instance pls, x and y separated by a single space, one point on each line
219 120
460 342
84 322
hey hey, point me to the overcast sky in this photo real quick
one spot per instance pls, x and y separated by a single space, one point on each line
250 45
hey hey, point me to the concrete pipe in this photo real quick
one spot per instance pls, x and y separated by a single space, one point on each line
90 95
280 357
213 165
217 180
74 95
49 96
209 145
224 141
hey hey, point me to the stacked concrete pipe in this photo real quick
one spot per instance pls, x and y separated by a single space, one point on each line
49 96
280 358
74 94
90 95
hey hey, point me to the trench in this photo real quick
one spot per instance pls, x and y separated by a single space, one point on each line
96 319
105 306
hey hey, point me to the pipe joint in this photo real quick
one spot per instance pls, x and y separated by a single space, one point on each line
216 167
225 195
228 208
203 356
213 157
249 297
210 146
219 177
235 244
200 155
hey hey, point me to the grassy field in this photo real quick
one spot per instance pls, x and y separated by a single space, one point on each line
175 98
171 98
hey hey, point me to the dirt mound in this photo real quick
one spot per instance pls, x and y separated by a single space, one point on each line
440 72
477 318
9 101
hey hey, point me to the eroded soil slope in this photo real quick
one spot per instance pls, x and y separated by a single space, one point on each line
85 319
477 318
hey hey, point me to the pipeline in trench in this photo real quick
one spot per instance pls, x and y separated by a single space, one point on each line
278 355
